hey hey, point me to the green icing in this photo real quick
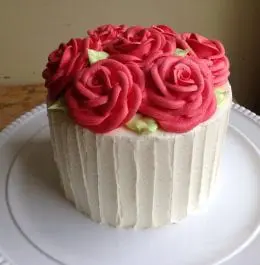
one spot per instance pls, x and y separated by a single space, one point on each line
221 96
95 56
181 52
57 105
142 125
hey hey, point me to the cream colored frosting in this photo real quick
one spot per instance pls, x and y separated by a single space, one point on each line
129 180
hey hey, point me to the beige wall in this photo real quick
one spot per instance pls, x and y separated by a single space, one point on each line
30 29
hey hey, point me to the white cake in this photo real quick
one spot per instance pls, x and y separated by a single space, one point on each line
128 180
127 176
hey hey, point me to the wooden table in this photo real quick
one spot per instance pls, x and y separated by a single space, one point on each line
14 101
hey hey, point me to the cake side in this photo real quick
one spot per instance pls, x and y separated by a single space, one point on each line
145 181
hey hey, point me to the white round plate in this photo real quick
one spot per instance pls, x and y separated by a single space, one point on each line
38 226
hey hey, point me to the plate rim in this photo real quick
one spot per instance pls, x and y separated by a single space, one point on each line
11 128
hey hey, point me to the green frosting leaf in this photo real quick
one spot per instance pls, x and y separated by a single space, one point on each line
142 125
95 56
221 96
181 52
57 105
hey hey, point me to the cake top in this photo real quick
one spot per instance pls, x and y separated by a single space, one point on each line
145 78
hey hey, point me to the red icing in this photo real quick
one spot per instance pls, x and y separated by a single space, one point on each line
106 95
107 33
141 75
212 50
141 42
179 93
165 30
64 63
173 36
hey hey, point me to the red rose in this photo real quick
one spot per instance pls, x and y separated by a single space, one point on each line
106 95
64 63
179 93
165 30
172 35
212 50
141 42
107 33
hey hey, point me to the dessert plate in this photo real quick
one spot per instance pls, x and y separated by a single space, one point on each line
38 226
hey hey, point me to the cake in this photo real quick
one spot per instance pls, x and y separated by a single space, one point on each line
138 116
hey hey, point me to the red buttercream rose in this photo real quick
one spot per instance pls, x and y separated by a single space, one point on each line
165 30
106 95
141 42
107 33
179 93
212 50
64 63
172 35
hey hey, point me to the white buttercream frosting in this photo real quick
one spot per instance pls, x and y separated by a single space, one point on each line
129 180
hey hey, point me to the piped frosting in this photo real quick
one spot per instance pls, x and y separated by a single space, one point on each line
118 72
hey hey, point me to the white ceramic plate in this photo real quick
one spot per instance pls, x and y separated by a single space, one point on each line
39 227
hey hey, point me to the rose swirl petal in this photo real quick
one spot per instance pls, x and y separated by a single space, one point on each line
186 97
106 95
64 63
212 50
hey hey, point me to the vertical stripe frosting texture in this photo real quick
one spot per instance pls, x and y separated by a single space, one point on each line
129 181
